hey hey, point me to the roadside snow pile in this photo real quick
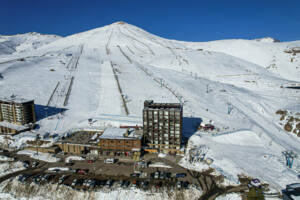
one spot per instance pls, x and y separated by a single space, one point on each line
5 158
242 152
40 156
231 196
14 190
71 158
59 169
10 167
161 155
159 164
20 140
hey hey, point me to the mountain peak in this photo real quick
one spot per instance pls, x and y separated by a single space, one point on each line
267 40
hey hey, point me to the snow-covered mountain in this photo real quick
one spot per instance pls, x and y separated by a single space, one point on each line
238 84
17 43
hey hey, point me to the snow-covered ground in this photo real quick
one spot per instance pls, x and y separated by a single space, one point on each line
12 190
235 83
10 167
39 156
231 196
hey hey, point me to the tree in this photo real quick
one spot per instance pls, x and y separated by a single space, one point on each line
255 194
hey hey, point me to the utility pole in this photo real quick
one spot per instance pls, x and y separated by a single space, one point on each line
207 88
36 139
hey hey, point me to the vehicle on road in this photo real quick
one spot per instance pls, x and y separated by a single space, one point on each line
109 161
90 161
69 164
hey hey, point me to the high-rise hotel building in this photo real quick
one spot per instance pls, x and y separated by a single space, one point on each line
162 124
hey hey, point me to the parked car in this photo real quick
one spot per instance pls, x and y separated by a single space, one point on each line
91 183
127 184
179 184
162 175
135 175
35 164
69 164
74 182
20 177
119 184
145 184
46 177
109 182
185 184
102 182
168 175
38 178
62 179
158 185
134 183
90 161
82 171
85 182
156 175
26 164
23 177
180 175
109 161
123 183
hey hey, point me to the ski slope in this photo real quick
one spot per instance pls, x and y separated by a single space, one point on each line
107 73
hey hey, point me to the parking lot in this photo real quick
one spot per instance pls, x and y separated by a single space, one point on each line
91 175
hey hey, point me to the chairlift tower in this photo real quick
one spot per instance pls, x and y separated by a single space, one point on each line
289 156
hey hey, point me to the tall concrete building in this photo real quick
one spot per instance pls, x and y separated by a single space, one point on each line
14 113
162 124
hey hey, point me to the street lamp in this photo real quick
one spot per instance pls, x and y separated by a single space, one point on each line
36 139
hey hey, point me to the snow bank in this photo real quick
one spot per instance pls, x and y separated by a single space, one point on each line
242 152
231 196
40 156
14 190
10 167
5 158
70 158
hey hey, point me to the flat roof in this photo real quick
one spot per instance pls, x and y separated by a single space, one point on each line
14 99
119 133
82 137
149 104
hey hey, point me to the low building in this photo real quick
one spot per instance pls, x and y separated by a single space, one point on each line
121 141
52 149
81 142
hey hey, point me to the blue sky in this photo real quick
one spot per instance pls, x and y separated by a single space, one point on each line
200 20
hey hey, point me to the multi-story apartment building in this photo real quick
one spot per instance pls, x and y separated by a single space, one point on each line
162 124
15 112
